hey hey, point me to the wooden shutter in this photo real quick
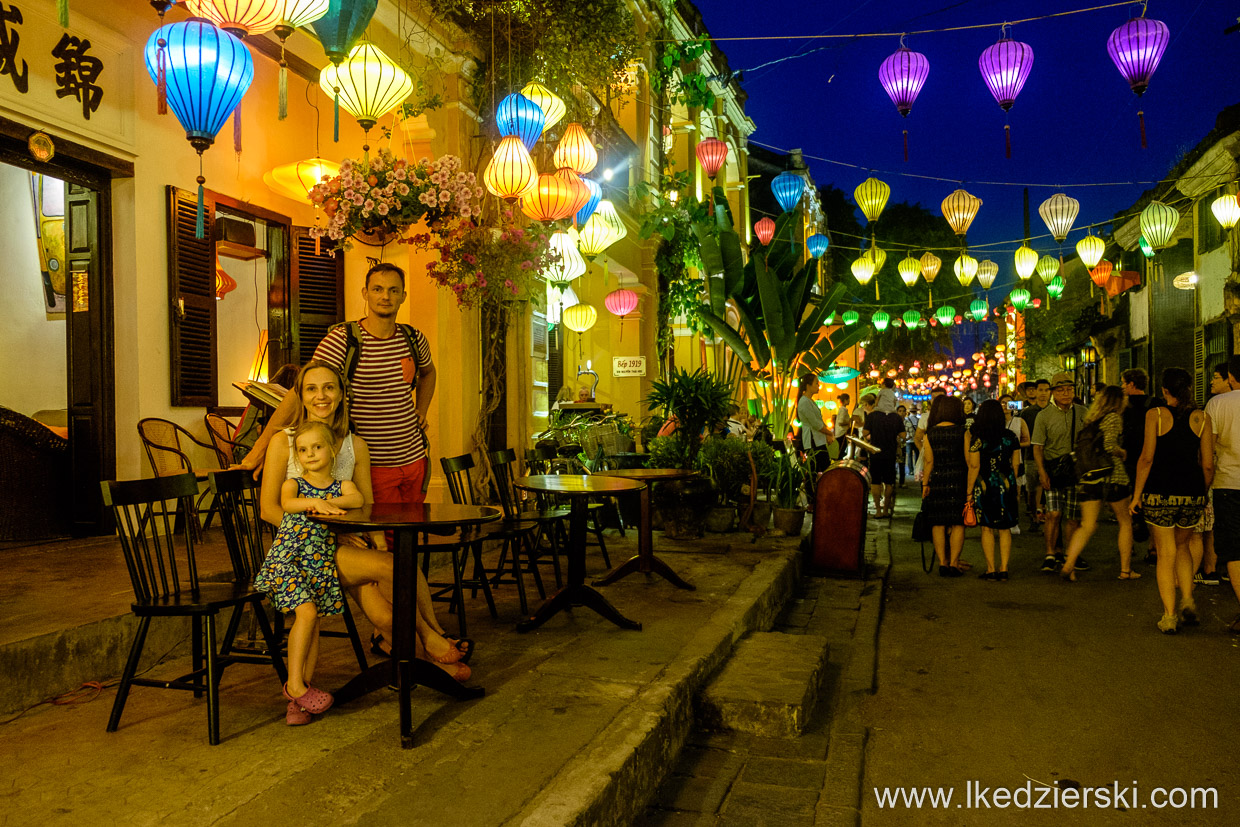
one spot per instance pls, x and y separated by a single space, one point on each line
191 291
1200 375
317 292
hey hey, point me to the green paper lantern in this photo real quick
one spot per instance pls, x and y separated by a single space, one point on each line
1158 223
1146 249
912 319
1019 298
880 319
946 315
1048 268
1056 286
978 309
851 317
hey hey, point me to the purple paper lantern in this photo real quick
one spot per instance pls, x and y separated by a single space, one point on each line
1005 67
902 75
1136 48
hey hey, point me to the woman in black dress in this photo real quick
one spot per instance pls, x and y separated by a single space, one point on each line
992 480
946 474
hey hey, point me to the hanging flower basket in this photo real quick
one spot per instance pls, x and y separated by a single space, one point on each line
376 201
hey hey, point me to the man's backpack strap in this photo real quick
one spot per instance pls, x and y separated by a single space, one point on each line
353 347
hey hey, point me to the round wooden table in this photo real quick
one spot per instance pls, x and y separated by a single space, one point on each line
405 521
645 561
579 488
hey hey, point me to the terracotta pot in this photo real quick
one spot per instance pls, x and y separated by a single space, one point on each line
790 520
761 516
719 519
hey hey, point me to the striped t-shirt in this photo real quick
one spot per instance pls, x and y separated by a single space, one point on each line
381 405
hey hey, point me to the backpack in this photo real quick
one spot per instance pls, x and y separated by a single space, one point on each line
353 347
1090 457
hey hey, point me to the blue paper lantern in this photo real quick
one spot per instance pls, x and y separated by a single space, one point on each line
343 25
207 71
520 116
817 244
788 188
596 194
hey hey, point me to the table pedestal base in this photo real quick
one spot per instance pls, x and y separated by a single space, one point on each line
646 565
576 595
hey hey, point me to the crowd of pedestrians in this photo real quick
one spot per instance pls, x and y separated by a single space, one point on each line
1168 471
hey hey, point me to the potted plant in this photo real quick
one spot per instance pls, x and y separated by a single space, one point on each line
725 460
698 402
789 478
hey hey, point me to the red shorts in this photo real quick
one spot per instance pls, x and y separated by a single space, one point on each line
400 484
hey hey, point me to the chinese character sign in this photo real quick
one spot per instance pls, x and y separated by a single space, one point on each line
10 41
76 73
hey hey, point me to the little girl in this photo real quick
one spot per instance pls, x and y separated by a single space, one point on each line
299 573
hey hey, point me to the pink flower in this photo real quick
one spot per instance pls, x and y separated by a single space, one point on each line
402 189
359 200
369 205
445 197
382 209
466 212
526 265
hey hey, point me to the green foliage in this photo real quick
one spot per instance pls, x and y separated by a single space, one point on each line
668 452
675 73
726 461
700 401
790 476
1058 323
650 429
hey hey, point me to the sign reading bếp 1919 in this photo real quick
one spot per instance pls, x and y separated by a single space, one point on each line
628 366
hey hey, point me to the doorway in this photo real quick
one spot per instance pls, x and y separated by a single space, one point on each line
56 232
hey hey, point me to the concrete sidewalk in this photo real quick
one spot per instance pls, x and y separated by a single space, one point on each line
580 722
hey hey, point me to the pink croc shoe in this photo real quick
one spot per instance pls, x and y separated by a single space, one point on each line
313 700
296 716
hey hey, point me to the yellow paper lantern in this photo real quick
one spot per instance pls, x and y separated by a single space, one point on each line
987 272
580 317
295 180
1158 223
930 264
863 269
552 107
602 230
909 269
569 265
871 195
960 208
239 17
1026 261
966 268
1048 268
878 256
369 82
1227 210
1058 212
575 150
1090 249
511 172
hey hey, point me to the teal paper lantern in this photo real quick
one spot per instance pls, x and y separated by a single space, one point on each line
817 244
881 319
1055 287
1019 298
520 116
945 315
851 317
343 25
206 72
978 309
788 188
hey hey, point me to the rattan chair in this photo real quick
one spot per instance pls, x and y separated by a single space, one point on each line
167 453
220 431
164 572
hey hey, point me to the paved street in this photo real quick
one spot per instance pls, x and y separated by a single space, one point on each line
1037 680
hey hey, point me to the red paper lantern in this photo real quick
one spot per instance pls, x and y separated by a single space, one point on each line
765 230
711 153
621 302
1101 273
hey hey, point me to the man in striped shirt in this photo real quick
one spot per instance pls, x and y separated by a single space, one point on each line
382 409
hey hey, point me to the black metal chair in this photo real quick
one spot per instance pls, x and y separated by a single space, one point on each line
164 572
513 534
552 520
237 498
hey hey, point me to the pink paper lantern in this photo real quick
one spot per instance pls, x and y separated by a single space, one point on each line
621 302
765 230
711 153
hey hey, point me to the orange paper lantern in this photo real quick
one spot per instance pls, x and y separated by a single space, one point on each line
550 199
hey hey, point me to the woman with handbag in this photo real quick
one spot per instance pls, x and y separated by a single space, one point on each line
1107 481
1173 475
944 491
992 479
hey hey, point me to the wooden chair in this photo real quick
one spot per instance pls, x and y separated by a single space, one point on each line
552 521
237 497
167 454
513 534
220 431
164 572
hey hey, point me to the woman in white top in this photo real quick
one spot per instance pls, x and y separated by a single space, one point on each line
364 571
815 435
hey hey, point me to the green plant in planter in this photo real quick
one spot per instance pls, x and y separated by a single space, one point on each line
699 401
789 478
726 461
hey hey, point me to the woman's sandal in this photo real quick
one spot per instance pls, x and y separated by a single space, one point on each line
1129 575
312 700
463 645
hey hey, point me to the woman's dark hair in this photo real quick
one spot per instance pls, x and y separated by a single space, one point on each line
946 409
806 381
285 376
989 422
1179 383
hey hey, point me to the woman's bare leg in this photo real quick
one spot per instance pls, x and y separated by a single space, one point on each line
988 548
938 534
1005 548
1123 516
957 540
1165 569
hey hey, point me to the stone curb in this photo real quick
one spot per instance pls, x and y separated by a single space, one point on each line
611 780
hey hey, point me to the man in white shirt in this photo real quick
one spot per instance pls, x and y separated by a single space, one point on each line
843 421
1224 412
